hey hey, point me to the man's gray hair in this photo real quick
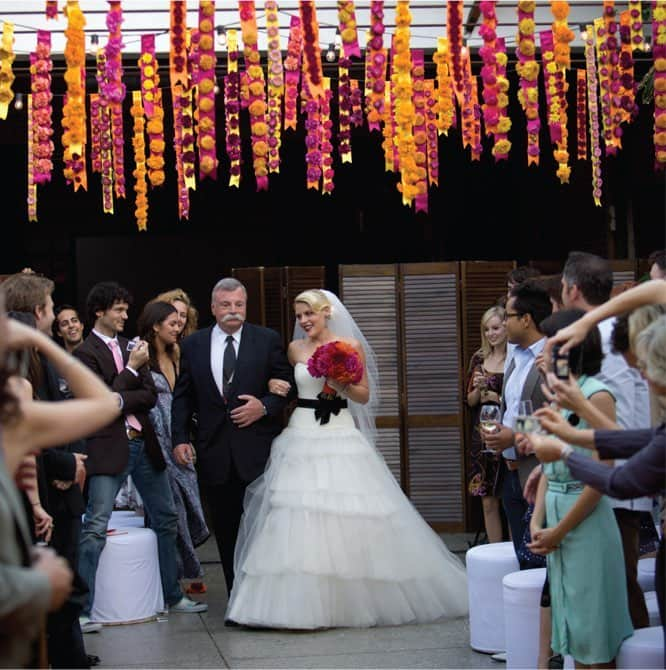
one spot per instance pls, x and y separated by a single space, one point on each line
228 284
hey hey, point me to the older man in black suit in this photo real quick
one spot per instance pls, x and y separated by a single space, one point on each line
223 380
127 446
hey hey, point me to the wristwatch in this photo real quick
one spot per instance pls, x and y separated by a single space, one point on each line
265 409
566 451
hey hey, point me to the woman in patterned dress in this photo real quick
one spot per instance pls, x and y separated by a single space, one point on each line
484 386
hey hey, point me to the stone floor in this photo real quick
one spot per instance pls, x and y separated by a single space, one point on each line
202 641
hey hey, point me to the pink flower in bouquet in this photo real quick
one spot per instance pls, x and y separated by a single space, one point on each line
337 360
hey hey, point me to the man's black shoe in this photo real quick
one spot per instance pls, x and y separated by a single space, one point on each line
230 623
93 660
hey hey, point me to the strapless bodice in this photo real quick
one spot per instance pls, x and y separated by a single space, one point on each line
308 386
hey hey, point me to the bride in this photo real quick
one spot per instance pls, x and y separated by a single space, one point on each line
328 539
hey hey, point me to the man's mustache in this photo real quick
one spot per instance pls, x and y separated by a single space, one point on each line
234 316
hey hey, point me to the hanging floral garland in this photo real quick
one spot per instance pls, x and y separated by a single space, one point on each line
634 7
256 94
205 80
628 85
152 103
445 107
562 34
581 115
114 92
344 110
420 132
101 150
593 112
42 111
312 139
659 54
95 133
326 147
275 85
356 116
391 163
292 66
348 29
51 9
139 173
312 69
454 26
232 110
375 67
74 108
528 70
6 73
488 33
32 187
502 145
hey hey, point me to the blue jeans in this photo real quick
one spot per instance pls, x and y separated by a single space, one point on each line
515 507
158 500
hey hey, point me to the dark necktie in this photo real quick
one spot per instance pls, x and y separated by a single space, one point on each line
228 364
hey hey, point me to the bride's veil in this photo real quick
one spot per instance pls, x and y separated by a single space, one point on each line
342 323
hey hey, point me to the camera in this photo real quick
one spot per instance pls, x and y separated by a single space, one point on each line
560 363
133 344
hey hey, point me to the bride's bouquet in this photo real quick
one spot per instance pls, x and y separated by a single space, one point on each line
336 360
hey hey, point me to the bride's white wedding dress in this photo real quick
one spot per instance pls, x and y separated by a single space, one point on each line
328 539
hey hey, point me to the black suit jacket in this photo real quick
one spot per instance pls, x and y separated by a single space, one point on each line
531 391
218 441
108 450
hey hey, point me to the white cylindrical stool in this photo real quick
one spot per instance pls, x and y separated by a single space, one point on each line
644 649
486 566
128 588
125 519
652 608
646 573
522 598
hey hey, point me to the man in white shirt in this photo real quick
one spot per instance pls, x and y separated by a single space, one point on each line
587 281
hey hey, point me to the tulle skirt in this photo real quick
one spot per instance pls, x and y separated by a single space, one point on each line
328 539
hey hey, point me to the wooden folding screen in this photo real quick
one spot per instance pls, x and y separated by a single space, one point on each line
411 316
271 292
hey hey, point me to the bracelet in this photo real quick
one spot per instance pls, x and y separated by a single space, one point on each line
566 451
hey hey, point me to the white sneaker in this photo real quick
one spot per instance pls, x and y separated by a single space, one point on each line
189 606
88 626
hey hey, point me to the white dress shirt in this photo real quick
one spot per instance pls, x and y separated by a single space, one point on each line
632 400
513 390
218 342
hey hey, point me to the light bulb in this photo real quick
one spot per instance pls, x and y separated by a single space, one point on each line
583 35
463 51
18 101
216 89
330 53
221 36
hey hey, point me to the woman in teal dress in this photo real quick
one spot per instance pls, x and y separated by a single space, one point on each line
590 613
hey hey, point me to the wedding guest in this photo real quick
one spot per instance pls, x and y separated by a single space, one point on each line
553 286
128 446
159 325
188 316
575 527
328 538
68 327
484 386
224 375
28 425
518 275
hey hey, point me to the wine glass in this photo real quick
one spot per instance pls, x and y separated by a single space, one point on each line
489 419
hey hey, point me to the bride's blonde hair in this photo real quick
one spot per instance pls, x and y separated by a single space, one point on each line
314 298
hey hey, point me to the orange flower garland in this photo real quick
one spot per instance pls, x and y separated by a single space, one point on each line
256 94
627 93
74 108
659 53
40 85
445 106
420 131
139 144
348 30
151 96
6 73
528 70
206 78
502 145
391 163
432 143
488 32
404 106
562 34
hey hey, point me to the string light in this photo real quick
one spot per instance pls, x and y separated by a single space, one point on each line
18 101
583 32
216 89
330 53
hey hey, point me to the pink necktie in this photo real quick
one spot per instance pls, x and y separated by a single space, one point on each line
131 420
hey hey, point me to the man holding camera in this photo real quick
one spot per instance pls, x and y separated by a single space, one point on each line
587 281
127 446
